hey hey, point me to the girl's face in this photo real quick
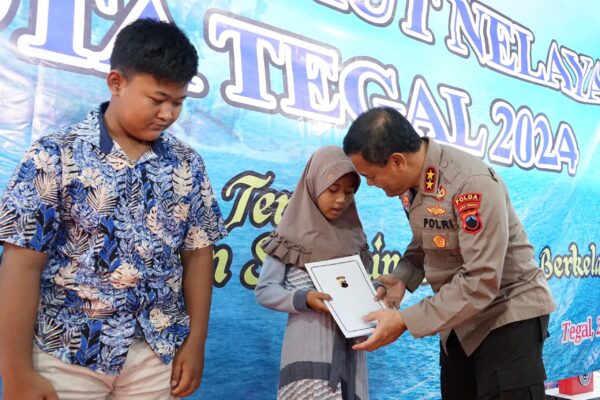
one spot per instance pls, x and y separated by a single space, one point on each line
337 197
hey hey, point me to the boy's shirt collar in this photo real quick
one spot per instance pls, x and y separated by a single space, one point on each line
107 143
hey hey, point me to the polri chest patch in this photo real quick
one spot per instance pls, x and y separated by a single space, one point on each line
435 223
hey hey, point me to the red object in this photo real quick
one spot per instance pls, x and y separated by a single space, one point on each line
577 384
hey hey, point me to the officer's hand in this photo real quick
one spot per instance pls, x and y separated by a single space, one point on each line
390 326
394 288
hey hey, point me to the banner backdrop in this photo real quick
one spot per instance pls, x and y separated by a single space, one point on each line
514 83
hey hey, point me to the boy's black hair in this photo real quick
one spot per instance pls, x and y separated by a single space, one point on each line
379 132
157 48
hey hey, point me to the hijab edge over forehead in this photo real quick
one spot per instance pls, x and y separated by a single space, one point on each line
304 234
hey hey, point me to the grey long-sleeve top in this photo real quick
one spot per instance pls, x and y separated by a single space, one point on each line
275 289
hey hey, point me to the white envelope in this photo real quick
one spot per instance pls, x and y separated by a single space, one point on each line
347 282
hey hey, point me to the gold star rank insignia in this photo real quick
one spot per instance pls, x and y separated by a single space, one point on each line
430 178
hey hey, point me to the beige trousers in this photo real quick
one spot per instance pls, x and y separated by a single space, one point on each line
144 377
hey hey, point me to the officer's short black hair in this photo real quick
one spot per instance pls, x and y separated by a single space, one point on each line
158 48
379 132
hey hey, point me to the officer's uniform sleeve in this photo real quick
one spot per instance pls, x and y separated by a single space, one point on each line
410 268
482 216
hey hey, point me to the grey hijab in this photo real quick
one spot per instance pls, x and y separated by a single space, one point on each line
304 234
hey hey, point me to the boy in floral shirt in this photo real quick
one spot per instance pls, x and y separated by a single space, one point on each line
107 227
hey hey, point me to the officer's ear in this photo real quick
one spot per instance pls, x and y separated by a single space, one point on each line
398 161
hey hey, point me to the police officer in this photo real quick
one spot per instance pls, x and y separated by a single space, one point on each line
471 247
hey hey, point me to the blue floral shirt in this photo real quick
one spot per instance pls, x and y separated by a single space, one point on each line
112 229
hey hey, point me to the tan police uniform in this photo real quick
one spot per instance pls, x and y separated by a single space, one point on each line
471 247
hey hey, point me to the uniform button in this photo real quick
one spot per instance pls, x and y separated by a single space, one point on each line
444 163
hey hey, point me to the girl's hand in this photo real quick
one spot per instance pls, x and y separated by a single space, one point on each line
314 300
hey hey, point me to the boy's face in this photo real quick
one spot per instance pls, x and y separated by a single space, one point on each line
144 106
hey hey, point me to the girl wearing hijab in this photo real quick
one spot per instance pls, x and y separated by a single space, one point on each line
319 223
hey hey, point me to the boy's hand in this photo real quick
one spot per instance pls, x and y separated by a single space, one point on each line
314 300
28 386
188 366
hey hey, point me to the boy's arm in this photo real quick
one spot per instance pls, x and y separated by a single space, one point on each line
19 296
198 277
